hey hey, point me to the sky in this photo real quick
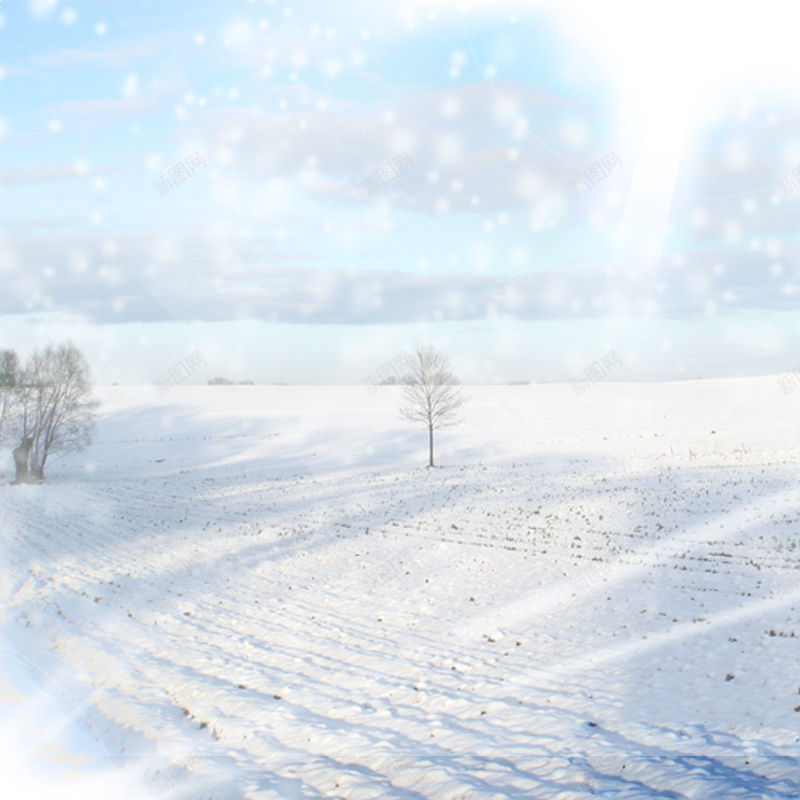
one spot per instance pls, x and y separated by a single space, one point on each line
299 191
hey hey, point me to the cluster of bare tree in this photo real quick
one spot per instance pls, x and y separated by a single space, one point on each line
45 406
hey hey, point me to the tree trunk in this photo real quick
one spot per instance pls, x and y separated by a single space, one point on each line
430 440
21 454
36 469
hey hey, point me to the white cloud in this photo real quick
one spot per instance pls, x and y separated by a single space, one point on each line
45 174
41 8
107 108
135 102
121 55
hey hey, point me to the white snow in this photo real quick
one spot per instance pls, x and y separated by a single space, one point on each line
261 592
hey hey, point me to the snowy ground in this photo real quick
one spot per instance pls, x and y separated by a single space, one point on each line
260 592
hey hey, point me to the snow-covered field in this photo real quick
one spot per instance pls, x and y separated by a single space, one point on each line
261 592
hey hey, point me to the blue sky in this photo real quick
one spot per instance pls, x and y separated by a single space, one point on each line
273 259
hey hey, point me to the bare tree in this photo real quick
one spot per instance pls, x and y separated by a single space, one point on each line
431 394
55 408
9 375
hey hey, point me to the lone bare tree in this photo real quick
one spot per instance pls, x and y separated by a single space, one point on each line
55 410
432 394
